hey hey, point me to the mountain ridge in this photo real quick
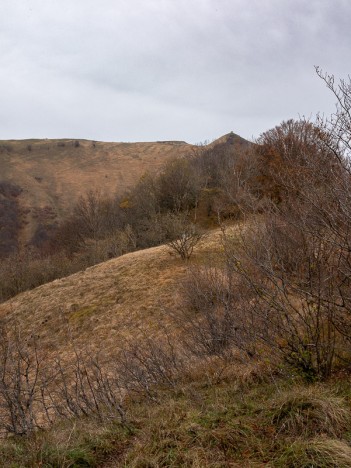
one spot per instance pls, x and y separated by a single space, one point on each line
49 176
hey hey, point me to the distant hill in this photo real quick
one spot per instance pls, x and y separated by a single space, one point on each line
40 180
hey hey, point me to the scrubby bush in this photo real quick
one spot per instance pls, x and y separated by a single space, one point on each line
35 394
208 313
295 260
182 235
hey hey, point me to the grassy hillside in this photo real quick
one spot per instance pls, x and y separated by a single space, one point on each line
106 302
52 174
238 356
217 412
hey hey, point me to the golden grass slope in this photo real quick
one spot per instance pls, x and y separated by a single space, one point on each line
106 303
54 173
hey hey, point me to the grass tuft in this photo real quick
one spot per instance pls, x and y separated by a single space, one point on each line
310 411
316 453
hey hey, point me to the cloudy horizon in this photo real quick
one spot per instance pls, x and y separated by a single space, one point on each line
119 70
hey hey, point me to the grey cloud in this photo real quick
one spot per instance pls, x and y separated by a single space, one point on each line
159 69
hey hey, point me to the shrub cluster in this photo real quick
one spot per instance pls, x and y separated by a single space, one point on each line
284 292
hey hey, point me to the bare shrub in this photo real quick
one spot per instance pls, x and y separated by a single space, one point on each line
210 313
182 234
292 289
296 258
148 366
85 388
33 395
20 381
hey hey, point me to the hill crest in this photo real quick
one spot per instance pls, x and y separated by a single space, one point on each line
50 175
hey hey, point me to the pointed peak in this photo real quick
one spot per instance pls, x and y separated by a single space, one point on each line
230 138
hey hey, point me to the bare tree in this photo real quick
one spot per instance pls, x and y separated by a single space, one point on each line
94 214
337 133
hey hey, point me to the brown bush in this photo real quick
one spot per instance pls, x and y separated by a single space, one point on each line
211 315
182 235
296 258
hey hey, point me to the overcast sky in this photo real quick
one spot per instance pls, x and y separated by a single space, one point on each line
144 70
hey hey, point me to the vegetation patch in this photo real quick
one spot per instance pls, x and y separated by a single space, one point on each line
83 313
316 453
311 411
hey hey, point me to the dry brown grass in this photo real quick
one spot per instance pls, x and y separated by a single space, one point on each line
108 303
311 411
54 173
316 453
